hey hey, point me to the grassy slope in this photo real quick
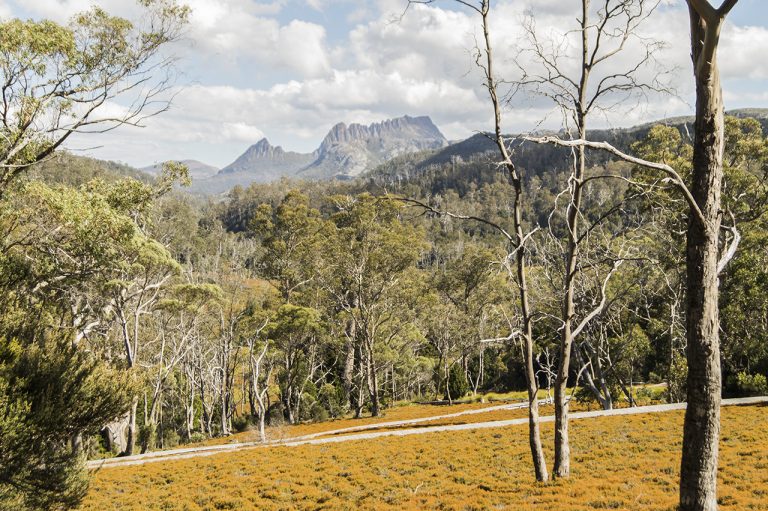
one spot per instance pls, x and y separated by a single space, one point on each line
618 463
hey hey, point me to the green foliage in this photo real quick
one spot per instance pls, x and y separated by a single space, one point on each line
458 386
50 393
58 76
147 436
751 384
676 380
332 399
292 236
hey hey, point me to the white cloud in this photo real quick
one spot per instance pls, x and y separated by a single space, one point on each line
317 5
230 31
265 74
742 52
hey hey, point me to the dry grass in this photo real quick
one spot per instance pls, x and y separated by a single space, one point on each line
412 411
407 412
628 462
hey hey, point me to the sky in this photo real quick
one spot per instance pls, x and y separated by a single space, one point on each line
289 70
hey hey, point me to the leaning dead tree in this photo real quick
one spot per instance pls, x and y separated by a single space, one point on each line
605 34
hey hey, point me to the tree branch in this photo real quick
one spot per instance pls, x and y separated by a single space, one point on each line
605 146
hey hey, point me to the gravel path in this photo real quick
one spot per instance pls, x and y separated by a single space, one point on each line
313 439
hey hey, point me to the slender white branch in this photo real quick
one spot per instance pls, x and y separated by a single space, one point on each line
676 179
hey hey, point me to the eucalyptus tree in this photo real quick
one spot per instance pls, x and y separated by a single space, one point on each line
297 333
604 34
292 235
735 158
518 239
471 289
58 78
135 291
701 429
59 247
261 363
176 328
368 265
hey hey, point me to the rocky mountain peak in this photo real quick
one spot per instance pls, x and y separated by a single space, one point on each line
263 148
385 132
346 151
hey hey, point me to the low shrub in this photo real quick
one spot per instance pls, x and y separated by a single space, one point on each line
751 384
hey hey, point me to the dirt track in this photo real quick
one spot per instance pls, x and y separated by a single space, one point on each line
317 438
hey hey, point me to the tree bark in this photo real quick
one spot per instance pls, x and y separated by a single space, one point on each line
562 465
534 434
373 382
349 360
701 430
130 444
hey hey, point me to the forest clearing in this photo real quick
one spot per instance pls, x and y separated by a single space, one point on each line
623 463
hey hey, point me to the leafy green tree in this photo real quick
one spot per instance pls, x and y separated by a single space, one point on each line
292 236
296 332
372 251
745 161
51 392
57 78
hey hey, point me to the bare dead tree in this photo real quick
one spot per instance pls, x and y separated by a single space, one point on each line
260 367
603 33
484 58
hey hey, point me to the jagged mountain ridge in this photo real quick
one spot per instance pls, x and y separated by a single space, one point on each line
268 162
346 152
343 145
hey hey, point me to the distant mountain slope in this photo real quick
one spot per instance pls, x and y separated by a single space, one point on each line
530 155
197 169
404 147
264 162
75 170
347 151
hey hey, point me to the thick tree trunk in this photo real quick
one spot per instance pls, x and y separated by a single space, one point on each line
262 429
115 434
361 385
562 466
349 363
701 430
534 434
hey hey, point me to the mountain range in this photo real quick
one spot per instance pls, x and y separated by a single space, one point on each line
348 151
345 153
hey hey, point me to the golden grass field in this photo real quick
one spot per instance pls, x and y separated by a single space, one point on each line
624 462
406 412
412 411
